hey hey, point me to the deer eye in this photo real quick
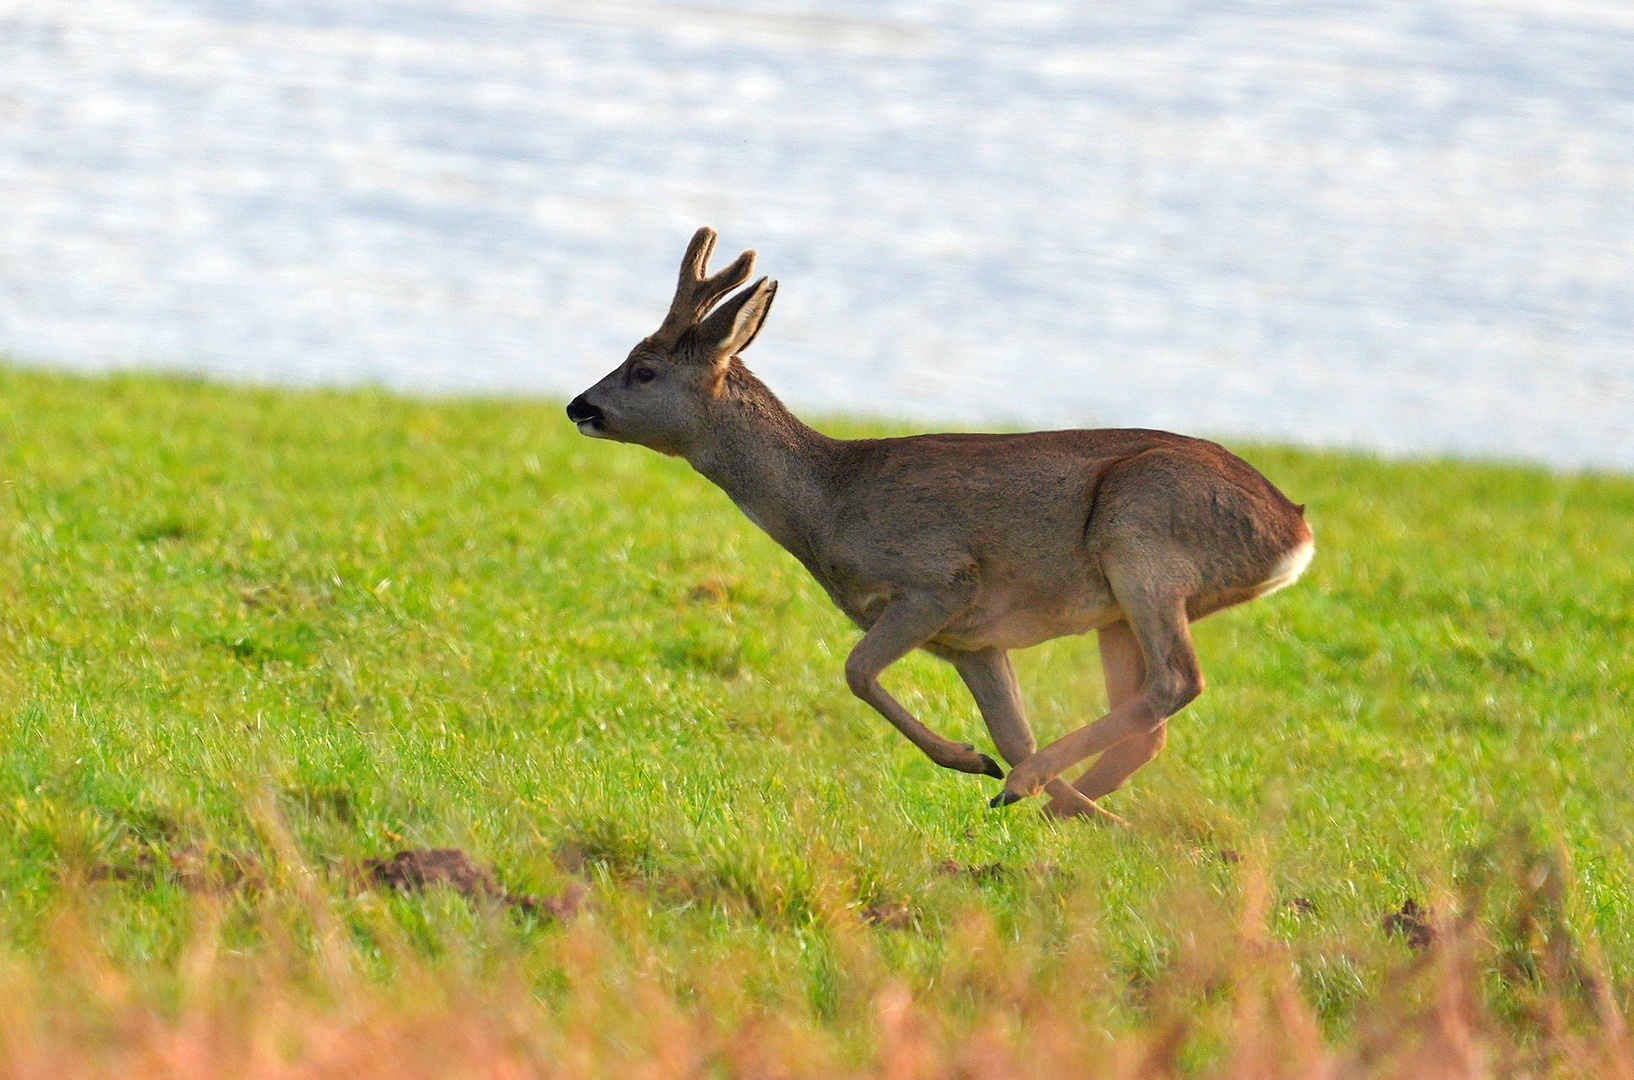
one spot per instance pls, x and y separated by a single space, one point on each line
645 374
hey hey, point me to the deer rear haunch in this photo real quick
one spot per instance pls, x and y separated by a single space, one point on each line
969 545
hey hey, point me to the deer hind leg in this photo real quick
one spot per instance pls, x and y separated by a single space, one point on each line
1157 616
992 682
906 624
1121 662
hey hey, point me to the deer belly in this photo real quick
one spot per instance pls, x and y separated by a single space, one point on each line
1017 622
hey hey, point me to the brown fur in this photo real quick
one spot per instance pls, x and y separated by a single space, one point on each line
971 545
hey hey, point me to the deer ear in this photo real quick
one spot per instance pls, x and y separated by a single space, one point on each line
732 326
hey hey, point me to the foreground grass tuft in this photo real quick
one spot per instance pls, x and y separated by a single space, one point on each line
252 639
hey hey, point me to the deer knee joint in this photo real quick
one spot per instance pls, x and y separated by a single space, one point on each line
1178 694
1190 691
859 679
1169 695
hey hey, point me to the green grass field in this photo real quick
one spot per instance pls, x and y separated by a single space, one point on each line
231 618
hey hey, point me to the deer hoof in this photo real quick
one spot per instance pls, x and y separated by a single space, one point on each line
991 768
1004 798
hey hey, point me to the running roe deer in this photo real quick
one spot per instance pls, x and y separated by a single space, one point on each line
968 546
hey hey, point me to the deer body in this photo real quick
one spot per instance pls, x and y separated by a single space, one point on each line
969 545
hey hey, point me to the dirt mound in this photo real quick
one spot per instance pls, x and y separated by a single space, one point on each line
418 869
1411 922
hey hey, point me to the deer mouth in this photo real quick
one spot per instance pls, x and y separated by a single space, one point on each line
590 419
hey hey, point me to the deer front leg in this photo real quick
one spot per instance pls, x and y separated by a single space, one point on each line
907 623
1171 681
992 682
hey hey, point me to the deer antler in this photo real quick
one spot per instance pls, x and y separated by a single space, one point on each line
695 294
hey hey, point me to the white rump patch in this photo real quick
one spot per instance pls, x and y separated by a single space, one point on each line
1288 568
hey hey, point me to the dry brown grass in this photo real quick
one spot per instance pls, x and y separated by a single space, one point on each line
1506 993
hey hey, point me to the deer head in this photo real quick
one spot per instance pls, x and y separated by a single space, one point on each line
662 395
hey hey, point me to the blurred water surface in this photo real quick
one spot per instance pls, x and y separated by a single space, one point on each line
1407 226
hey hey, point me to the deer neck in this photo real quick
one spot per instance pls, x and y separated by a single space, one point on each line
775 468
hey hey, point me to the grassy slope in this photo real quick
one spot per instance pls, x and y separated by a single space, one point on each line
459 623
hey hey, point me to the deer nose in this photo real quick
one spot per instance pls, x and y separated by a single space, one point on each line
579 410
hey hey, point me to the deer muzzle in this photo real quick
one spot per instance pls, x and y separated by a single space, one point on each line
589 418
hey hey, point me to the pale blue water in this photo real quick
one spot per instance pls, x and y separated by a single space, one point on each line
1407 226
